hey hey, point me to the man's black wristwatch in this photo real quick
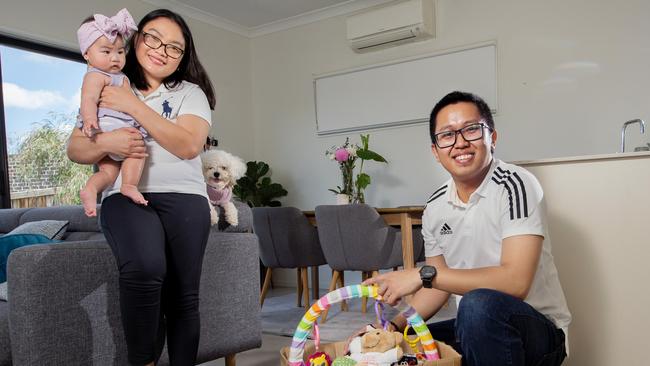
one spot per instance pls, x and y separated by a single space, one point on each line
427 274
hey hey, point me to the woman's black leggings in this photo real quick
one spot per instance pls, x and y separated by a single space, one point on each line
159 252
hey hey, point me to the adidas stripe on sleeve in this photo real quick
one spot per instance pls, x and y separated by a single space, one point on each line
521 201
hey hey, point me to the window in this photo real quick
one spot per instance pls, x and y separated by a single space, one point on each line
39 101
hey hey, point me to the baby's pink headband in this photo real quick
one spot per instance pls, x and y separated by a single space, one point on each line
122 23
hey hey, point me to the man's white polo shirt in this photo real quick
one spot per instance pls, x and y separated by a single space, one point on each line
509 202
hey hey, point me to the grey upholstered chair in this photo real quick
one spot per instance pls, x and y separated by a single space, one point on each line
356 238
287 240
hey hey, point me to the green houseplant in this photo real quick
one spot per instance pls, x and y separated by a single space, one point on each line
346 156
256 189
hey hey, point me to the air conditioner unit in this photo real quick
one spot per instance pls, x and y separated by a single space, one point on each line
391 25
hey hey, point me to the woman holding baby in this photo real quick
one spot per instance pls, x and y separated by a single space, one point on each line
159 245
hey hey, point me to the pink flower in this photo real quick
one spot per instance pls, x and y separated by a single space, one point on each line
341 155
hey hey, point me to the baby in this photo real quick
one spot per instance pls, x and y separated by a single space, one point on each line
102 42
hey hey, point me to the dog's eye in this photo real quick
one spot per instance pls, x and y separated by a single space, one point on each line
223 167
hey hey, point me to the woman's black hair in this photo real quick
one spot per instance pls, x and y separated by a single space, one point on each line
190 68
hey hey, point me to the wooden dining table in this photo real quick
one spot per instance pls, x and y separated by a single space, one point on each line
404 217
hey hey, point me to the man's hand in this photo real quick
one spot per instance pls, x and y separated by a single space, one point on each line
395 285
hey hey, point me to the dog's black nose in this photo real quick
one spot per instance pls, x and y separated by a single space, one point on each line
216 175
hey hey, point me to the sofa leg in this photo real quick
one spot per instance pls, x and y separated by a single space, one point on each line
230 360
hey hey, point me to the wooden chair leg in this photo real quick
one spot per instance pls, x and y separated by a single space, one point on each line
314 283
230 360
304 279
298 282
265 287
335 279
344 304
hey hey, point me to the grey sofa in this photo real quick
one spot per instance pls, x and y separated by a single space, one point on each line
63 306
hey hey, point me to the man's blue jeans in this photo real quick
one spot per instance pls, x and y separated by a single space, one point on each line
493 328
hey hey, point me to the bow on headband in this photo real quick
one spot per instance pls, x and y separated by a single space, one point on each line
120 24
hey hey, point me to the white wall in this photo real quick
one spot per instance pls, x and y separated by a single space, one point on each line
225 55
569 74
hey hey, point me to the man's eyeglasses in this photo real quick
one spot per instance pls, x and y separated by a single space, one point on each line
155 43
471 132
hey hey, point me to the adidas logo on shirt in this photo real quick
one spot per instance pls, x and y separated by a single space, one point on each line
445 229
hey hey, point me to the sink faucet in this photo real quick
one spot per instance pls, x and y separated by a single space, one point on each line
639 121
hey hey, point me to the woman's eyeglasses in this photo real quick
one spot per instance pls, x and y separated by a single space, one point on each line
155 43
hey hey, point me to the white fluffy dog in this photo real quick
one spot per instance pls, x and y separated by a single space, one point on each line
221 171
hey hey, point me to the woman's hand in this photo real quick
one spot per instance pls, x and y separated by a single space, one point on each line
119 98
126 142
395 285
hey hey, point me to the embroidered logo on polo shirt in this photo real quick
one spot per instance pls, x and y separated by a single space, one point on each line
167 110
446 230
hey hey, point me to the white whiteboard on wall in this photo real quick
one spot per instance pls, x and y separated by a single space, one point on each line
403 92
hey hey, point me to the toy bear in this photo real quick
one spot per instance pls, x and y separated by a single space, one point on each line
377 347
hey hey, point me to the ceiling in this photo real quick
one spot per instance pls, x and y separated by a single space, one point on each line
256 17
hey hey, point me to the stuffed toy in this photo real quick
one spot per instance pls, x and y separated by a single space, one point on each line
319 359
377 347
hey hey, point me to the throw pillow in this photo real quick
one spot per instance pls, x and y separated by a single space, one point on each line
3 291
53 229
11 242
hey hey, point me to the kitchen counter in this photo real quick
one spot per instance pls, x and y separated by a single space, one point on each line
584 158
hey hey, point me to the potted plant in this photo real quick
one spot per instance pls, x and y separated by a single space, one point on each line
346 156
256 189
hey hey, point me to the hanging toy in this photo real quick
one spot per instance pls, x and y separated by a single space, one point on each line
318 358
413 343
379 310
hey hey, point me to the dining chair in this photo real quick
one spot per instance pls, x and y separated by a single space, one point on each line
355 237
287 240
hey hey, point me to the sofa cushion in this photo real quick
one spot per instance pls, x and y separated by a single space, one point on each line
10 242
53 229
74 214
3 291
9 219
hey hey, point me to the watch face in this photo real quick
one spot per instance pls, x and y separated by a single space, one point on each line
427 272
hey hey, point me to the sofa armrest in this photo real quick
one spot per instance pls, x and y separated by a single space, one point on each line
64 302
244 216
230 308
63 305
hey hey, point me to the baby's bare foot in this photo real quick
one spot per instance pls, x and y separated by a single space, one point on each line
132 192
89 201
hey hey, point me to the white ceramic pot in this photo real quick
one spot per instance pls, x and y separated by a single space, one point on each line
342 199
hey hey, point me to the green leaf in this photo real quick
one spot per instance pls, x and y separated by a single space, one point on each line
370 155
257 189
364 141
363 181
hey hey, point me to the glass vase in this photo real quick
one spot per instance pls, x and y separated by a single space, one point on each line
358 197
